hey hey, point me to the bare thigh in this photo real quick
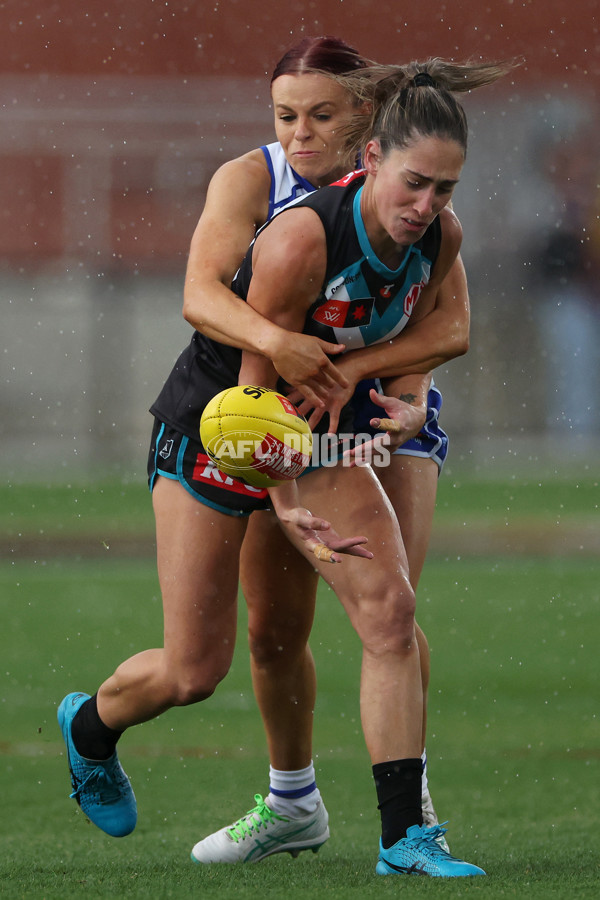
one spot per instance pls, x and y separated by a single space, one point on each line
372 591
411 486
198 562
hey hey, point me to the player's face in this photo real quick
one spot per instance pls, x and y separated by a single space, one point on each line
311 112
409 187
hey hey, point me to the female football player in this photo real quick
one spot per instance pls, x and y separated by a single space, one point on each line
391 220
312 113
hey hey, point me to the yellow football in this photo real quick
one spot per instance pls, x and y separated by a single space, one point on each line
256 434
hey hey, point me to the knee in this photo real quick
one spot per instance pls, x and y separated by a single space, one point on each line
193 686
270 645
265 649
386 621
274 637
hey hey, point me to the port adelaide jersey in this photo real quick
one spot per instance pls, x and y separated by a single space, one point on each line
361 301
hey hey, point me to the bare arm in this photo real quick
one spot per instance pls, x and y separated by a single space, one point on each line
288 267
236 205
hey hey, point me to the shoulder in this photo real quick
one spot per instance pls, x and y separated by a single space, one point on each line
451 228
249 170
240 187
297 225
450 242
294 239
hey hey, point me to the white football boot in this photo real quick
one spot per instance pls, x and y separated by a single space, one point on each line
263 832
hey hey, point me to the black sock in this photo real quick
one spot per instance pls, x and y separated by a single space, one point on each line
92 738
398 785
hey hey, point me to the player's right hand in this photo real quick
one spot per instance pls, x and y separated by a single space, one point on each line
317 536
303 361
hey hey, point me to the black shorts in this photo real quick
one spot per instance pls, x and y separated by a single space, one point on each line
177 456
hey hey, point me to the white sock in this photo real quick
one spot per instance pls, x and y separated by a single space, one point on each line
424 782
293 792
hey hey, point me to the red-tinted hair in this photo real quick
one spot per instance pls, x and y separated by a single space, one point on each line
319 54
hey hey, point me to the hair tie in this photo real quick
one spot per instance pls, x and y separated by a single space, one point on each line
423 79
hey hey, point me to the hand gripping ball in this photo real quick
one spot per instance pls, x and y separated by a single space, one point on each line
256 434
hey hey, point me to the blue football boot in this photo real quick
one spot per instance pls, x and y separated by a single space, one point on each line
419 853
101 787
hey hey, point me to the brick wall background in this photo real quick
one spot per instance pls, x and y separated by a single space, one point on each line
116 113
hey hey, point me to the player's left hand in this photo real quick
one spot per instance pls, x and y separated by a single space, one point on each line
319 537
402 422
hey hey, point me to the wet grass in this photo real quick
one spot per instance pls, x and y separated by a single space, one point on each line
514 742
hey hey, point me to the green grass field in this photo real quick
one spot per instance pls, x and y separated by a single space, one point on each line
514 736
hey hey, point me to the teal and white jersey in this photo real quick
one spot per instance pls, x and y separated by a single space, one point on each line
362 301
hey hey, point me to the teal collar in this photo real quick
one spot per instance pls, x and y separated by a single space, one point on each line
365 245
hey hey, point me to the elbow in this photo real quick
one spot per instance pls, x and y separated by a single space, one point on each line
458 344
192 309
454 345
461 344
186 312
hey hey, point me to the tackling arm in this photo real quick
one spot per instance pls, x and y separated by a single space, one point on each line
236 205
